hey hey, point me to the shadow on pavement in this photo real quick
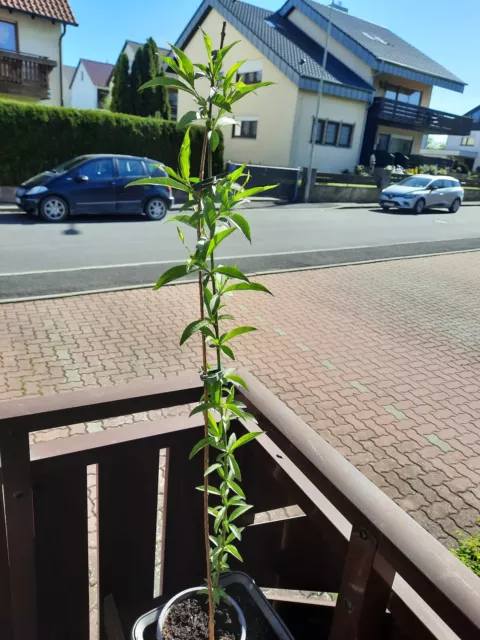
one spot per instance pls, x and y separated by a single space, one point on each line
24 218
406 212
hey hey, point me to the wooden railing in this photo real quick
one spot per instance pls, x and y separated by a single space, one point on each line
416 118
393 579
25 75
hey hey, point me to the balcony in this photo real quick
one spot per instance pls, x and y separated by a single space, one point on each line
408 116
393 580
25 75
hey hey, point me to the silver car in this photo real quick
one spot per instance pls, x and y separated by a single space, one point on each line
417 193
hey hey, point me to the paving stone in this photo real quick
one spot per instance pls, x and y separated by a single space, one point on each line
396 413
441 444
93 427
359 387
280 332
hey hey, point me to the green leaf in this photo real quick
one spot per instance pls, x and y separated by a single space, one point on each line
166 81
184 157
188 118
234 551
242 224
231 272
212 468
173 66
172 274
212 511
201 408
213 139
219 518
185 219
220 55
164 182
173 174
227 81
208 45
242 195
213 490
244 89
236 332
244 439
247 286
192 328
184 63
237 531
227 351
239 511
236 380
235 500
217 239
199 446
238 490
221 102
238 173
181 236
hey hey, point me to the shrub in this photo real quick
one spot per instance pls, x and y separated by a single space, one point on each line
431 169
468 551
36 138
346 172
359 170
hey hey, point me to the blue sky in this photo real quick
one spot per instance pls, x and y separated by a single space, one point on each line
443 29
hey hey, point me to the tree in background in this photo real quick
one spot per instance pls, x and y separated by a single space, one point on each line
155 102
136 81
121 92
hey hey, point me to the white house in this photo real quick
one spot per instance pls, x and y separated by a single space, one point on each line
376 90
68 73
31 49
89 86
465 149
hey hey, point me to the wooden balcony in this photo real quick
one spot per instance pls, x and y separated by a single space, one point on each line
25 75
394 581
408 116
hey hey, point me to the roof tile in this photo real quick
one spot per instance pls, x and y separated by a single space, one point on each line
99 72
56 9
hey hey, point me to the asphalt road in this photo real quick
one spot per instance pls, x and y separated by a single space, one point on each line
99 253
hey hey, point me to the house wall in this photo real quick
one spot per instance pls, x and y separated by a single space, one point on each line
453 144
327 158
335 48
41 38
274 107
84 92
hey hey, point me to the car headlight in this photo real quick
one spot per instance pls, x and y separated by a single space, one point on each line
34 191
408 196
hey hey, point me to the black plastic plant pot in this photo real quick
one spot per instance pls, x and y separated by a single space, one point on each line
262 622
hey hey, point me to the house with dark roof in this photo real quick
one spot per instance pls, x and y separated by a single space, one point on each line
31 49
89 87
376 86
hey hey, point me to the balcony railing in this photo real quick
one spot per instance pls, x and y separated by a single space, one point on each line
394 580
408 116
25 75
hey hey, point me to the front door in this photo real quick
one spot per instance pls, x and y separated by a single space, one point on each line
93 187
130 200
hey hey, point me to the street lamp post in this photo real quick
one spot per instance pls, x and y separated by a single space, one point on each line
308 184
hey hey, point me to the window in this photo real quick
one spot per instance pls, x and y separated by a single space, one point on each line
154 170
320 132
8 36
245 129
345 138
402 94
394 144
82 76
468 142
334 134
331 133
101 169
438 184
130 168
383 141
414 181
251 77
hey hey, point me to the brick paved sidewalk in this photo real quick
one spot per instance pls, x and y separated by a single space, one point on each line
382 360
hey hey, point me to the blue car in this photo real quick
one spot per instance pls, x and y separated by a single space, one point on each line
95 184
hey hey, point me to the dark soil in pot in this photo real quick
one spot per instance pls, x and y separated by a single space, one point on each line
188 620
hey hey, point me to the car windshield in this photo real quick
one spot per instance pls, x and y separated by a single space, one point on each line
414 181
69 164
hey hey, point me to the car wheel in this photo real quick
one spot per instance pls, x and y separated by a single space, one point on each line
156 209
455 206
384 208
54 209
419 206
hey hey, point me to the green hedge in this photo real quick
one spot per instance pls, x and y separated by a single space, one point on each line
35 138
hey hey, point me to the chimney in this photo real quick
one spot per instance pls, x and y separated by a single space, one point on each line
338 5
